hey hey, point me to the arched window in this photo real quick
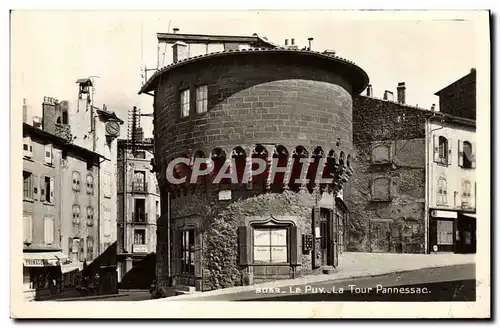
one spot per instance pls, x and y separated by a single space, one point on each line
76 181
381 154
443 150
90 184
467 155
466 193
90 216
381 189
90 248
442 191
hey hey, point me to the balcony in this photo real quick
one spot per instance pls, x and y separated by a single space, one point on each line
139 218
139 187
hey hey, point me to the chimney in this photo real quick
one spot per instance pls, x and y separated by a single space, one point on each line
25 111
179 51
37 122
433 107
310 42
473 70
388 95
286 42
401 93
175 30
369 91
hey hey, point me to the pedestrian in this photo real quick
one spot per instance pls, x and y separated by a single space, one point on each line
96 283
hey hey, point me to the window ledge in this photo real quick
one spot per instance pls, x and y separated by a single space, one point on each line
30 159
441 164
29 200
48 203
49 165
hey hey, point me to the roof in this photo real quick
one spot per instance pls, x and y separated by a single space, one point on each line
355 72
192 38
59 141
110 115
460 80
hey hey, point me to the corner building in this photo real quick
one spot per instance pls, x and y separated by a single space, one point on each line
243 104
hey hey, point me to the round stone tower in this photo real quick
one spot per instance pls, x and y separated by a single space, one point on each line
235 107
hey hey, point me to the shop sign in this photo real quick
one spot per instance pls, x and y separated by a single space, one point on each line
140 248
34 263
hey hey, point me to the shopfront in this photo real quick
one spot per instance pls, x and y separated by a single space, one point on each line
42 274
452 231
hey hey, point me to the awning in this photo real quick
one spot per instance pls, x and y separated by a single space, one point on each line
470 215
70 267
42 259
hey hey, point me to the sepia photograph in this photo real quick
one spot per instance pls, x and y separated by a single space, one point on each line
308 163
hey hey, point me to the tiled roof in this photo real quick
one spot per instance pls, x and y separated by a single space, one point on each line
150 84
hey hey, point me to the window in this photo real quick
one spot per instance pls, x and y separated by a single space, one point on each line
466 193
76 214
187 251
444 232
140 154
442 193
48 155
27 147
27 185
90 216
139 210
185 103
139 237
76 180
90 248
139 182
270 245
157 209
442 151
48 230
27 229
47 190
81 254
76 245
466 155
90 184
381 154
381 189
201 99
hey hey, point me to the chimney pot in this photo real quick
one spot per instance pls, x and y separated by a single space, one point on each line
473 70
310 42
388 95
175 30
433 107
401 93
369 90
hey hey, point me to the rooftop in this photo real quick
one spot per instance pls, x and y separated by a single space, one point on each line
359 76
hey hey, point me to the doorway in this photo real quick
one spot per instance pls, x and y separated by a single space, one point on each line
328 246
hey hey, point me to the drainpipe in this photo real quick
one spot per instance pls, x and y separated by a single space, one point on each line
99 209
428 175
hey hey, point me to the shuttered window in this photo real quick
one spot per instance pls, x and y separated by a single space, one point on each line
107 223
48 155
48 230
27 147
27 229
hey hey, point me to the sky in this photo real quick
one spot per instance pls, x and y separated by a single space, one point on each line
50 50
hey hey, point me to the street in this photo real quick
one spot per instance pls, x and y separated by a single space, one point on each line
451 283
123 295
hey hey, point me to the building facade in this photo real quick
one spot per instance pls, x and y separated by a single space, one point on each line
414 184
138 204
80 188
269 103
55 227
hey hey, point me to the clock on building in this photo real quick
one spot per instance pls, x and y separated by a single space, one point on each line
112 128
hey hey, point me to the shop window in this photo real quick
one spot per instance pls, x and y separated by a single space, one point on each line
185 103
442 191
466 155
76 181
187 251
444 232
381 190
201 99
270 245
90 184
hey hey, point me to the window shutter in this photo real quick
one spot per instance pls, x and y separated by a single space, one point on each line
473 155
460 153
449 153
295 246
28 229
34 185
51 190
198 249
48 154
42 188
436 148
245 246
48 231
81 253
